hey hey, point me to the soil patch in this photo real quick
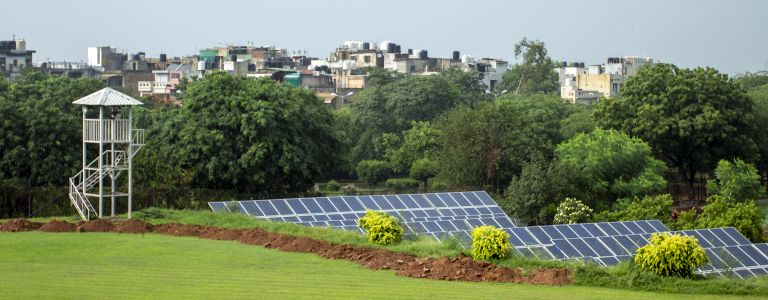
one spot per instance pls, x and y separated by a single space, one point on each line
98 225
58 226
461 268
20 225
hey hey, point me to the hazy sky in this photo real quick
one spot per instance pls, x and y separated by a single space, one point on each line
731 36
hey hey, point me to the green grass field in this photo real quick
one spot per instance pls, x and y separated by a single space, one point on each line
36 265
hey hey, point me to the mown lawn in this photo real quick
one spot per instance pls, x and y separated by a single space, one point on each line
35 265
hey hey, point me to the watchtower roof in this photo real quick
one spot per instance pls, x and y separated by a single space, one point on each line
107 97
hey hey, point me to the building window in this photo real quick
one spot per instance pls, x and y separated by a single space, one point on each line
614 87
367 59
413 68
175 75
15 62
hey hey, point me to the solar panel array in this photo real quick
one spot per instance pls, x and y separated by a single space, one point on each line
453 215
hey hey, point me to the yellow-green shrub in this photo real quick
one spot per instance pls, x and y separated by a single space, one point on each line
381 227
487 242
671 255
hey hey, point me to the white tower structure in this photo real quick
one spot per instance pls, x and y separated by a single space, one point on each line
118 144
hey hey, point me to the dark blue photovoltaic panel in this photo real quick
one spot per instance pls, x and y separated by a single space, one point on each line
282 207
715 259
419 214
524 236
485 198
326 205
593 230
431 226
349 216
513 240
291 219
613 245
566 231
216 206
407 214
472 199
266 208
448 200
396 203
464 238
639 240
382 203
646 226
658 226
442 236
583 248
525 252
580 230
446 226
307 218
408 201
609 261
353 204
297 207
552 232
566 248
755 254
446 212
475 222
540 235
540 253
620 228
341 206
434 200
607 228
760 271
483 210
504 222
460 199
744 273
736 236
709 237
335 217
627 243
702 241
320 218
720 234
598 247
368 202
496 210
432 213
349 223
633 227
360 215
417 227
335 223
555 252
461 225
762 247
251 208
311 205
421 201
458 212
490 221
741 256
471 211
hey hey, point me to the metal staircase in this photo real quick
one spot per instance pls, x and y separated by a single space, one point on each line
114 164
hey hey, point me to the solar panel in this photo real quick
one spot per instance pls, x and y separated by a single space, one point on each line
567 248
431 212
645 226
556 253
744 273
485 198
607 228
723 236
461 225
633 227
609 261
524 236
552 232
658 226
434 200
297 207
741 256
326 205
251 208
580 230
322 217
367 202
446 226
709 237
408 201
483 211
282 207
339 203
760 271
216 206
583 248
701 240
395 202
266 208
349 223
291 219
613 245
472 198
736 236
513 240
475 222
448 200
496 210
306 218
421 201
353 204
755 254
460 199
540 235
627 244
311 205
419 214
431 226
566 231
349 216
593 229
620 228
598 247
471 211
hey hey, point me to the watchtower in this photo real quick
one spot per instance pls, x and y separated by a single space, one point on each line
118 144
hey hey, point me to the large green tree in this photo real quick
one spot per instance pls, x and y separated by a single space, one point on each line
533 196
534 74
608 165
760 129
416 143
691 118
241 132
373 172
543 114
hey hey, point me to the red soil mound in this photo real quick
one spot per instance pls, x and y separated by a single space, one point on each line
20 225
461 268
98 225
58 226
134 226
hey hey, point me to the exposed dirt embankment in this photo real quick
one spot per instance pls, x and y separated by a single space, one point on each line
445 268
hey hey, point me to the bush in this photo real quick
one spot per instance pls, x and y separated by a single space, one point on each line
719 213
423 169
540 185
489 242
333 185
350 189
373 172
402 184
436 184
736 182
381 227
648 208
572 211
671 255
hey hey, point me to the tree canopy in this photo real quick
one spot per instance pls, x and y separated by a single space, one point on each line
691 118
534 74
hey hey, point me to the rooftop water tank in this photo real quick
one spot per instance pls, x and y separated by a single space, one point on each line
21 45
384 45
346 64
456 55
163 57
569 81
200 65
397 48
353 65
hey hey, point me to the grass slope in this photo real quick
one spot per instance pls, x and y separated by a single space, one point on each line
124 266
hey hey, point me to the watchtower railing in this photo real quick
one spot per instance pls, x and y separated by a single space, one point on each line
112 130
